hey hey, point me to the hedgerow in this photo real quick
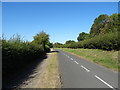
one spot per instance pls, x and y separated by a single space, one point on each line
109 41
17 54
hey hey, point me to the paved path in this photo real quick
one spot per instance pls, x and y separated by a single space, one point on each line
79 73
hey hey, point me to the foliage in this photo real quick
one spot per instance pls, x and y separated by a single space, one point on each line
109 41
50 45
105 24
58 45
103 35
82 36
41 38
69 41
17 53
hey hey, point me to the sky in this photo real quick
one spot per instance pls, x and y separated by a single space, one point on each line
60 0
61 20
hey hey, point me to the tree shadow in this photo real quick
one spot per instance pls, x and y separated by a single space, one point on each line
23 75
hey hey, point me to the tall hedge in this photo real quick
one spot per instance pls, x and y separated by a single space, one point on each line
16 55
109 41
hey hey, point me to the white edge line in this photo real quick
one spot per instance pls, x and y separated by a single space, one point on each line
104 82
76 62
85 68
71 58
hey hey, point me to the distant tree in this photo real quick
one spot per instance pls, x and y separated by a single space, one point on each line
69 41
41 38
58 45
82 36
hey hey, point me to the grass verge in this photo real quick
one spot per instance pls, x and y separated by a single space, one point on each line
108 59
51 77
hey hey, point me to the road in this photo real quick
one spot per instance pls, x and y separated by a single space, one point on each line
79 73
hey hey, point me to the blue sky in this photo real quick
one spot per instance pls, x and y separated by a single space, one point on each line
61 20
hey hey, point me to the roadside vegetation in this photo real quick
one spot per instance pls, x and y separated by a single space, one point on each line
103 35
108 59
100 44
17 53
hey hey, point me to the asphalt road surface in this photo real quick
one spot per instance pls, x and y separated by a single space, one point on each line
79 73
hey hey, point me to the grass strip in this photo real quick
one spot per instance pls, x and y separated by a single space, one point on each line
51 78
108 59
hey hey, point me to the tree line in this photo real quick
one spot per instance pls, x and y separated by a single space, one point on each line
103 35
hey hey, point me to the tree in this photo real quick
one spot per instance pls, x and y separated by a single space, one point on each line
82 36
105 24
69 42
50 44
58 45
99 24
41 38
114 23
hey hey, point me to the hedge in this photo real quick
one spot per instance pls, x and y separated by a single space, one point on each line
16 55
109 41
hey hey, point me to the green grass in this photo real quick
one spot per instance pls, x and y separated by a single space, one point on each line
108 59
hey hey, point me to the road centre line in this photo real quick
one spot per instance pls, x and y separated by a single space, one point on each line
71 58
105 82
68 56
76 62
85 68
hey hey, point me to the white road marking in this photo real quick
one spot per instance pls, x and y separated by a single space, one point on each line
95 75
76 62
71 58
85 68
68 56
105 82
